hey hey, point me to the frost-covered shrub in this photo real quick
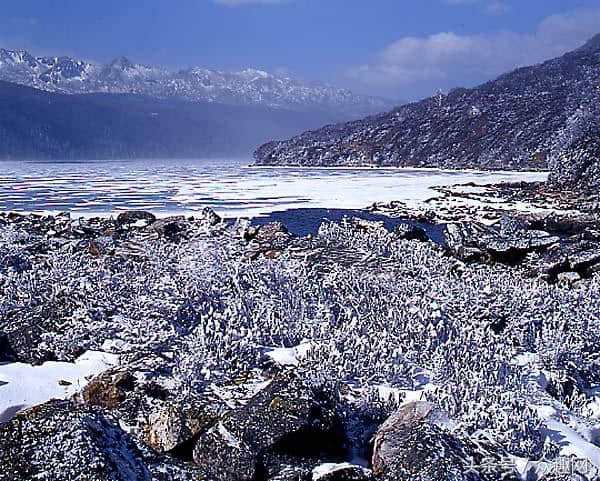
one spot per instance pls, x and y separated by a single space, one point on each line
374 311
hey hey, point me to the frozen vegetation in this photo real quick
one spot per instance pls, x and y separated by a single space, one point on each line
364 318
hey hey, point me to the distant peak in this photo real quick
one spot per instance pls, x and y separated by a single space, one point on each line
255 72
14 52
16 55
121 63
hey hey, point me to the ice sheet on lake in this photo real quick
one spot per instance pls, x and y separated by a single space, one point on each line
228 186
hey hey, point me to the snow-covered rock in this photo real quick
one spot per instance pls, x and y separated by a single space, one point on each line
284 419
415 443
61 441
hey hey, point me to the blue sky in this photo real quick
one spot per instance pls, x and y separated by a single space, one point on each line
402 49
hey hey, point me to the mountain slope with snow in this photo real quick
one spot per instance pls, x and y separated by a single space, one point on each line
35 124
247 87
512 122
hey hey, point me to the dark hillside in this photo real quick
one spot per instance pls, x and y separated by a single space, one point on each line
40 125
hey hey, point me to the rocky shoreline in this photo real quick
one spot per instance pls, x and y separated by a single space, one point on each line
546 233
247 353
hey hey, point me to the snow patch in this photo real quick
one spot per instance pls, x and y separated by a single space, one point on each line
289 356
329 468
23 385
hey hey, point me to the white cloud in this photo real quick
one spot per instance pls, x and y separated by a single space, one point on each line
235 3
448 59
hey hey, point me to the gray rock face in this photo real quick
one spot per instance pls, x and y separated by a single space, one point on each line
24 339
469 241
284 417
414 445
225 456
173 424
60 441
443 131
541 254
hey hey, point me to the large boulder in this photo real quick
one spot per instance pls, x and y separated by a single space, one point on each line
171 228
62 441
137 218
23 336
573 259
175 423
285 419
508 243
269 239
225 456
274 235
108 389
414 444
149 403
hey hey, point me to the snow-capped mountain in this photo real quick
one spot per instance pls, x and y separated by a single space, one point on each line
518 121
35 124
247 87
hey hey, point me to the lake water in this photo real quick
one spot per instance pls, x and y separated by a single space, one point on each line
229 186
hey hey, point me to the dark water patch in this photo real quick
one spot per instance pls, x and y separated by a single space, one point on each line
302 222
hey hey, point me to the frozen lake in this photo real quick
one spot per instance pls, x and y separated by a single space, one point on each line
230 187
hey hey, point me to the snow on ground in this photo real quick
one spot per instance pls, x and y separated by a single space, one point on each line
479 198
289 356
23 385
573 437
569 437
329 468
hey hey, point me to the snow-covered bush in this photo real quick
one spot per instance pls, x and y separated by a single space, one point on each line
374 311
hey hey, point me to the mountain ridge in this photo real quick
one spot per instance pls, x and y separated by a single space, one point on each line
507 123
247 87
41 125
